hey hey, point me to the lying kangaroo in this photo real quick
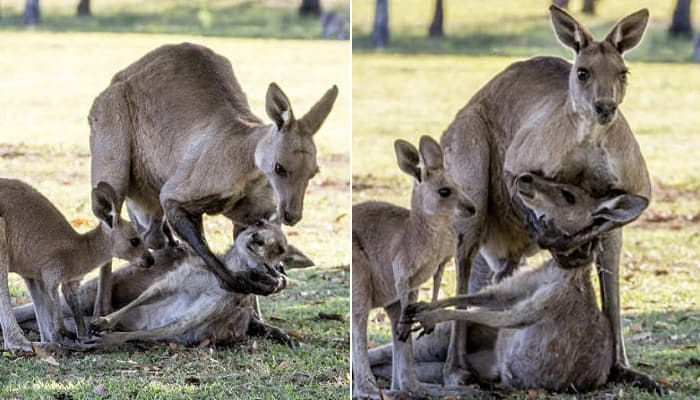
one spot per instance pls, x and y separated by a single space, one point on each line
179 300
174 135
38 243
394 250
187 306
552 334
562 121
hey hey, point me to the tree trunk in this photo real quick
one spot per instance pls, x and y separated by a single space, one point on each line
435 29
696 52
84 8
680 24
589 6
310 7
561 3
380 33
32 16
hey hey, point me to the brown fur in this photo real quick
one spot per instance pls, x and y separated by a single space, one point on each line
178 300
537 116
552 333
173 133
38 243
395 250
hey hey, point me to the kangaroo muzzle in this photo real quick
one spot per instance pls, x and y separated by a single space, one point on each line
605 111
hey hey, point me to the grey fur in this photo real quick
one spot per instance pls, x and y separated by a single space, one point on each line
526 119
552 334
395 250
38 243
178 300
174 135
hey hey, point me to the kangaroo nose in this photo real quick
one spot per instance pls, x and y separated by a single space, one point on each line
605 110
289 218
470 208
148 261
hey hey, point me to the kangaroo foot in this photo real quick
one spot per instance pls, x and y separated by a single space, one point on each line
99 325
624 374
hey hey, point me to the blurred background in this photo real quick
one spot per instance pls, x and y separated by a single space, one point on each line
416 63
55 62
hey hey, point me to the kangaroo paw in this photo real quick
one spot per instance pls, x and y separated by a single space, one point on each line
99 325
624 374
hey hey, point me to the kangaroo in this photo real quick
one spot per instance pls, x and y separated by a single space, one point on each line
38 243
552 334
394 250
561 120
195 147
186 304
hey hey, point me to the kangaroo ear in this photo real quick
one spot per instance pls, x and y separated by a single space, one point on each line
104 203
313 119
407 158
431 152
568 30
293 258
627 33
278 107
622 209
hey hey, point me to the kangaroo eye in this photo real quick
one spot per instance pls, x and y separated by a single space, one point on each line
445 192
279 170
135 242
623 76
568 197
582 74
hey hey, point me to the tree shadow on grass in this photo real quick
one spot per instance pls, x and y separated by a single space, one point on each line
248 19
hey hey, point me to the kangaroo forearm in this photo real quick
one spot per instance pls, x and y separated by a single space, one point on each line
608 264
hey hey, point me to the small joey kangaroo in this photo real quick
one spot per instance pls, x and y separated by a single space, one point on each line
38 243
552 334
187 305
394 250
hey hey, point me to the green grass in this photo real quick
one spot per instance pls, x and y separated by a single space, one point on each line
236 18
511 28
411 89
44 141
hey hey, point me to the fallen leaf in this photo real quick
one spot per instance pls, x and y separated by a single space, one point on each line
44 356
295 335
533 393
331 317
204 343
661 325
78 222
193 380
663 381
175 346
283 365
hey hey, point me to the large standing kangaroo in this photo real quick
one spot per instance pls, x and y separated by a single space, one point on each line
559 120
175 137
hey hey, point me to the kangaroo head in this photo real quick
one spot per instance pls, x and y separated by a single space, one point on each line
563 212
126 243
434 190
287 154
599 76
260 243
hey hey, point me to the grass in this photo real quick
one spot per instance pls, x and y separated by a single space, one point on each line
411 89
236 18
44 141
512 28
